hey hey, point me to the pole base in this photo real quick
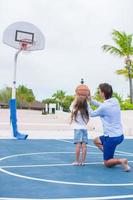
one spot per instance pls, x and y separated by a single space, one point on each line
13 118
21 136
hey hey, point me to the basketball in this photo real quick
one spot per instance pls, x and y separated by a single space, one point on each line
82 90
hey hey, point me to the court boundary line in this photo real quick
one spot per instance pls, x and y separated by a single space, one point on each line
89 198
53 181
122 152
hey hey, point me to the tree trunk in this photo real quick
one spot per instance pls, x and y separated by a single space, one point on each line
131 89
128 62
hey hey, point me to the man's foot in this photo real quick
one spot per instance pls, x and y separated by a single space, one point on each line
125 165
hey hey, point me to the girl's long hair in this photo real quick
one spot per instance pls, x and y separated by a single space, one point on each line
80 105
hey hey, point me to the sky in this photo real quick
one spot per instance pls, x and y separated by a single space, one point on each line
74 32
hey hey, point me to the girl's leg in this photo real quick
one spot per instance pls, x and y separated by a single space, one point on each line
98 143
115 161
84 149
78 151
77 162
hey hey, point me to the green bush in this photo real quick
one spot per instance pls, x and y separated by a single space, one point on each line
126 105
67 102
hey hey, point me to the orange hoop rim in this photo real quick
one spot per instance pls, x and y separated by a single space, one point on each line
25 44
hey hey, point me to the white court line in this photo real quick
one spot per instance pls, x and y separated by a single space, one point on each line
34 124
121 152
36 153
54 181
49 165
89 198
65 182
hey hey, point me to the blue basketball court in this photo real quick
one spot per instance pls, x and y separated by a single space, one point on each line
42 169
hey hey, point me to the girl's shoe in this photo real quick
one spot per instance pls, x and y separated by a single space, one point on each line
82 163
76 163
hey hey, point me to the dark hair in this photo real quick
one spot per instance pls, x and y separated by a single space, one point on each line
81 106
106 89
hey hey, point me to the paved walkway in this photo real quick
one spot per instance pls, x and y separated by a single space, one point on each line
53 126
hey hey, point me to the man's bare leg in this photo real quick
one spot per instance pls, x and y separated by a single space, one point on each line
98 143
115 161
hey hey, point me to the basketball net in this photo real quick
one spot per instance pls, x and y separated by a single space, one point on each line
25 45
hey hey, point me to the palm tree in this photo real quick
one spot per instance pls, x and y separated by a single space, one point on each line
59 96
124 49
25 95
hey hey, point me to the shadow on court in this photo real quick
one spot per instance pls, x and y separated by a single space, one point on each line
41 169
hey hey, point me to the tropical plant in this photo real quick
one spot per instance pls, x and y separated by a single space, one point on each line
24 95
97 96
118 97
126 105
5 94
124 71
67 102
115 94
123 48
59 96
49 100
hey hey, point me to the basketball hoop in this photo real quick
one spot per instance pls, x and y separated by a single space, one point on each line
25 37
25 44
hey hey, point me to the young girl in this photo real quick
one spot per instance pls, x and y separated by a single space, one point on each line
79 120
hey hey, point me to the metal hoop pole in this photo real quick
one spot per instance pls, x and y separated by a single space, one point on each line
14 75
13 115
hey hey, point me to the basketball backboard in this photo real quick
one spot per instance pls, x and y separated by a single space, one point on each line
21 31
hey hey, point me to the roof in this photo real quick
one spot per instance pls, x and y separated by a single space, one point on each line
37 105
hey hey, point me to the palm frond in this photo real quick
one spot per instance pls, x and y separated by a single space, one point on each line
123 41
124 72
118 35
112 50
